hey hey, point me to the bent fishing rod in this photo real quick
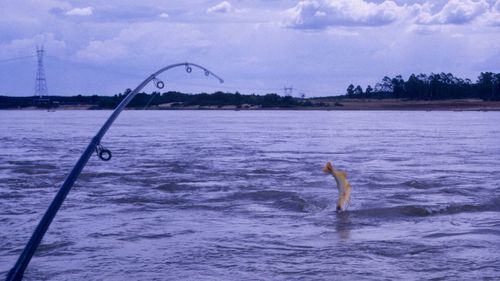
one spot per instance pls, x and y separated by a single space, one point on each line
17 272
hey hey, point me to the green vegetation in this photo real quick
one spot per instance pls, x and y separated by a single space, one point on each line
431 87
175 99
421 87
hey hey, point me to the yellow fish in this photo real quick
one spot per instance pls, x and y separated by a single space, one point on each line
342 185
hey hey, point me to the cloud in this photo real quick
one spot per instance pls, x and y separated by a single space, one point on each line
221 8
100 51
87 11
319 14
145 40
25 46
164 15
492 18
457 12
248 44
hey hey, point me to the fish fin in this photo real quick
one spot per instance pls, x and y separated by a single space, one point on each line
328 167
347 203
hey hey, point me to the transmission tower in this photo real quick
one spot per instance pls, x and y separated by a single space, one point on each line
40 82
288 91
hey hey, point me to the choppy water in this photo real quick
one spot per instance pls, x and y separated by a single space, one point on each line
226 195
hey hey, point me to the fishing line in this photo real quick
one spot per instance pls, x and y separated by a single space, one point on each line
149 101
159 84
17 272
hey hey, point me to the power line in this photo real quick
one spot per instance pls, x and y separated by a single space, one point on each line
14 59
132 74
94 68
227 88
230 88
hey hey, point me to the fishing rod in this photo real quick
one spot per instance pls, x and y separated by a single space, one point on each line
17 272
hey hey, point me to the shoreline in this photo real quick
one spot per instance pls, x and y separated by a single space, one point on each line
321 104
412 105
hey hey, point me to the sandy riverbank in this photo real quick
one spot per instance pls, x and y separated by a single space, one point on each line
328 104
397 104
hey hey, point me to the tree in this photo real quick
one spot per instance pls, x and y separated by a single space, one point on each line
485 85
350 90
368 91
384 88
413 86
358 91
398 87
433 87
496 86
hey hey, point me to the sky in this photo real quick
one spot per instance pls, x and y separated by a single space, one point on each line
318 47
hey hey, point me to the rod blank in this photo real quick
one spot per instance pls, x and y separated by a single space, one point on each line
17 272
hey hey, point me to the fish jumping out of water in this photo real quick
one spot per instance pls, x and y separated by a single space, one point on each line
342 185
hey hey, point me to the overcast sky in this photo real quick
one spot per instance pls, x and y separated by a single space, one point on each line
317 46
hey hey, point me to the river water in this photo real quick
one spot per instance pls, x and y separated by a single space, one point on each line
240 195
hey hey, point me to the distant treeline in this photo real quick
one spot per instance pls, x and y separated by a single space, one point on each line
176 99
418 87
436 86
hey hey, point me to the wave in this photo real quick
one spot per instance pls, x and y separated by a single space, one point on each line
58 248
424 211
420 185
145 200
472 232
175 187
30 167
285 200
